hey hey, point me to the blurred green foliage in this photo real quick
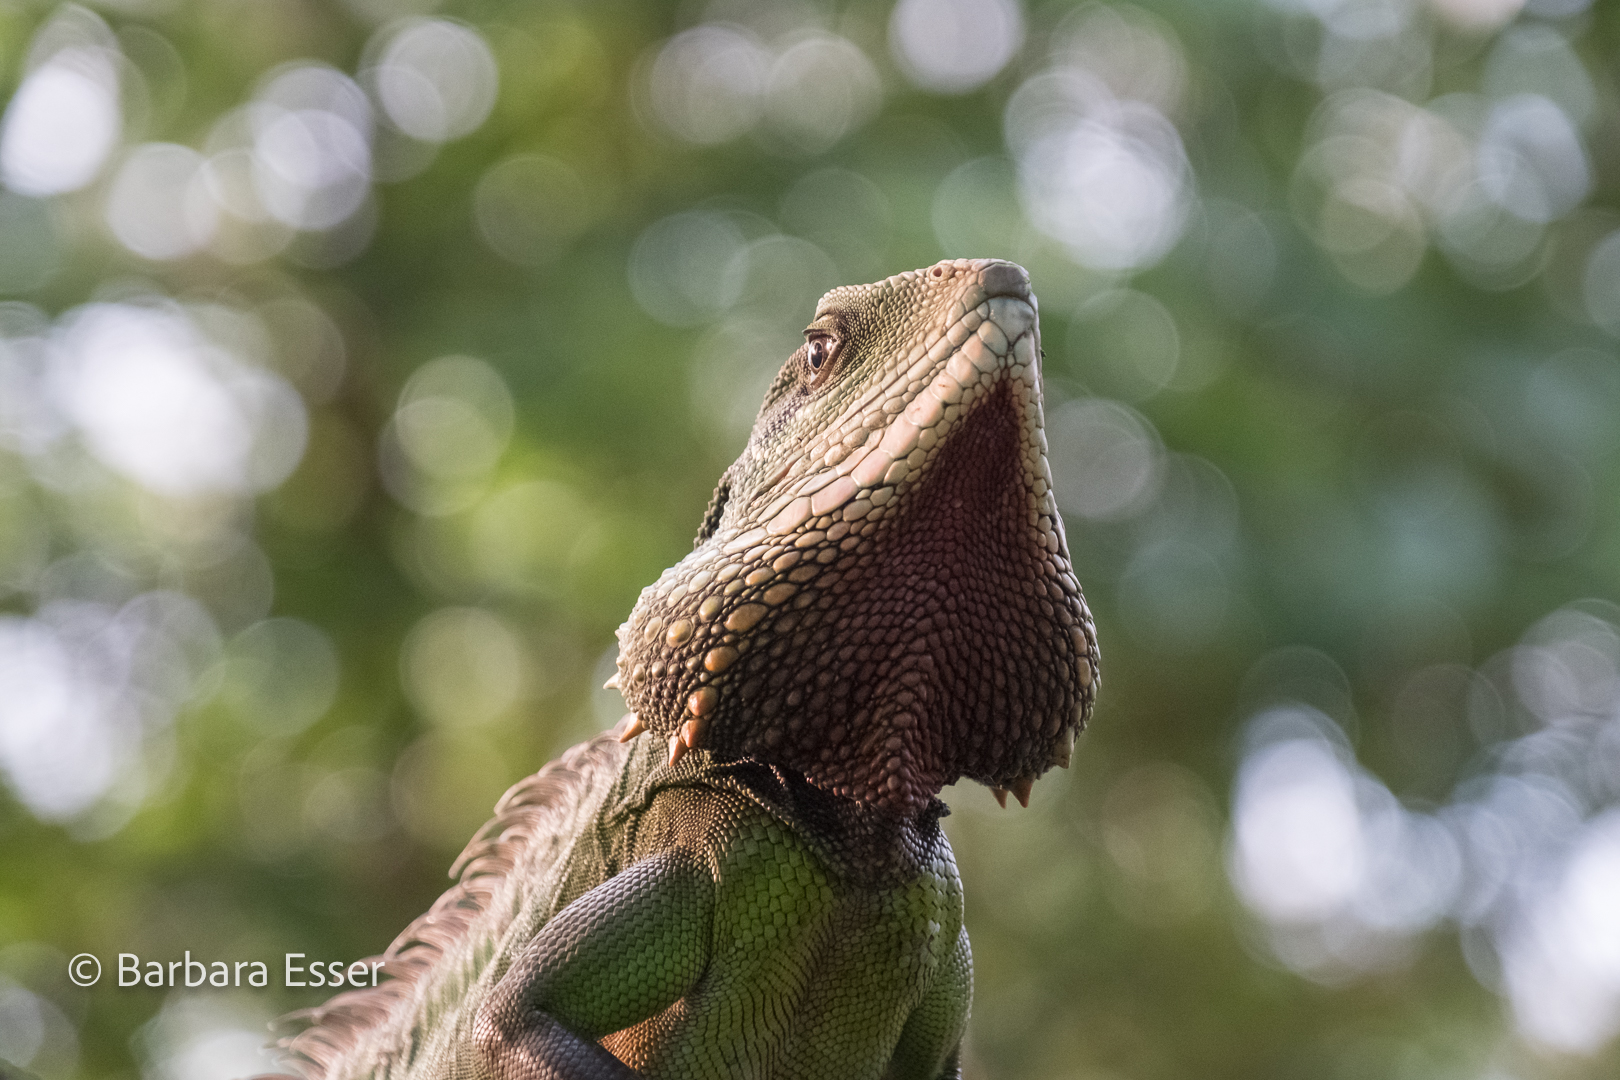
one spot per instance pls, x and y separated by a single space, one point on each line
1330 293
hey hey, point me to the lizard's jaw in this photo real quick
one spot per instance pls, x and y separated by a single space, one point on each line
902 611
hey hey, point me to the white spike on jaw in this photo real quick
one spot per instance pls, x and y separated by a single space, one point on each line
1063 753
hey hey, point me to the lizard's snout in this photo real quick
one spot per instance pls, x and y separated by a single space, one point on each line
1006 279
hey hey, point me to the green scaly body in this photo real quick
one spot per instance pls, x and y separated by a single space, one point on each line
766 929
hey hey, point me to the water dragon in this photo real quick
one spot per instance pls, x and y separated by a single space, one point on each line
747 878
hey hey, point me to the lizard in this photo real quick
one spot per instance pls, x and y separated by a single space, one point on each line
747 877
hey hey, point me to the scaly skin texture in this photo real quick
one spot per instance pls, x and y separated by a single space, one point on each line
748 878
882 597
742 924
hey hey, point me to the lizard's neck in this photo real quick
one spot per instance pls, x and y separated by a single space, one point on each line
864 843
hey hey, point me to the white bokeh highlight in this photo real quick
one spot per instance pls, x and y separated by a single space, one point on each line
800 94
454 418
202 1036
311 143
1107 460
87 686
435 79
452 424
1524 858
159 206
707 84
954 46
1562 961
1106 177
62 123
157 401
1530 159
820 88
1327 855
1301 853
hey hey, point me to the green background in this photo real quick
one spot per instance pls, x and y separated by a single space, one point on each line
1371 390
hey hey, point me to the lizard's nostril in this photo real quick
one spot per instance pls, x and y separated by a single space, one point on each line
1005 279
939 271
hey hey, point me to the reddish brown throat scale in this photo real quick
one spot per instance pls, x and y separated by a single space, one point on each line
881 596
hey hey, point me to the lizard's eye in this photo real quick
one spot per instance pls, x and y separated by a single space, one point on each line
818 354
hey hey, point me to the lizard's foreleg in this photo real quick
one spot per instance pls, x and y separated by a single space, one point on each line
623 952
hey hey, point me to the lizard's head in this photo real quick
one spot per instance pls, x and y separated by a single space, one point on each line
881 595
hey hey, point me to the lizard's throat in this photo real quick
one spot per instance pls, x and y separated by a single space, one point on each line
944 647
